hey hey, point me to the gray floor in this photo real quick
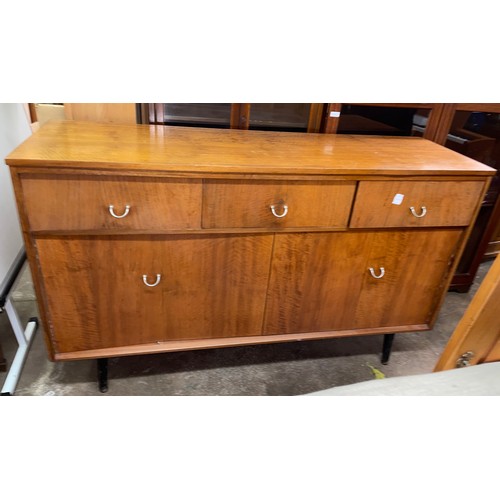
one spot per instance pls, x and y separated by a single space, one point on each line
279 369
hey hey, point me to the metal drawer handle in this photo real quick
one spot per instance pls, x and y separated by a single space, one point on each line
285 211
423 211
380 275
112 212
145 279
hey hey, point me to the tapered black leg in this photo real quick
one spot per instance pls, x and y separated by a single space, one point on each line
102 374
386 349
3 362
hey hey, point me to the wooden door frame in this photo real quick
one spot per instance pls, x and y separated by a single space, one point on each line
240 116
449 113
478 330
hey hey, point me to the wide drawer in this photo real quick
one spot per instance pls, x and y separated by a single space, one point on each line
78 202
275 204
415 203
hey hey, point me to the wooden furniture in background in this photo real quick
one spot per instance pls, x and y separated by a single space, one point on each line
101 112
476 338
256 116
493 248
375 118
474 131
150 239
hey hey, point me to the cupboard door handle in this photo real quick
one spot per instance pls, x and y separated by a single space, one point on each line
380 275
285 211
111 209
423 211
145 279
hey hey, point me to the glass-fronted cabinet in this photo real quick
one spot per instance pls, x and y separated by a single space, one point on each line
474 131
399 119
189 114
287 117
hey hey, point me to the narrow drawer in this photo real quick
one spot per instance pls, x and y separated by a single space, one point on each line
272 204
92 203
415 203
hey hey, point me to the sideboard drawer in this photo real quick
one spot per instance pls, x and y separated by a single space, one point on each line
415 203
274 204
111 202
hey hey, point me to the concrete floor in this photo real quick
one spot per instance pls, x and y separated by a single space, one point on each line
292 368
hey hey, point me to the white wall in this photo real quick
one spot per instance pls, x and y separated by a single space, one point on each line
14 129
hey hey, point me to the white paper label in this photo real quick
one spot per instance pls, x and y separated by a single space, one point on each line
398 199
334 114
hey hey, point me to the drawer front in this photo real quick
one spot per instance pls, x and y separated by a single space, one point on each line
248 204
93 203
415 203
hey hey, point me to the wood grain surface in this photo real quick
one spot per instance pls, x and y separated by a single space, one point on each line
82 202
322 281
209 288
446 203
245 204
174 149
101 112
479 328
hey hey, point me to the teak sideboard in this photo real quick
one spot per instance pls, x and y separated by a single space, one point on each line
145 239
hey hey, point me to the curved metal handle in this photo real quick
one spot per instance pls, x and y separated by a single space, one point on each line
380 275
112 212
145 279
423 211
273 210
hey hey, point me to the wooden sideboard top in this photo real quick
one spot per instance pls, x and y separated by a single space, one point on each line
199 150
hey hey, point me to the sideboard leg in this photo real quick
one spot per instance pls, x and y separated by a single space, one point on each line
386 349
102 374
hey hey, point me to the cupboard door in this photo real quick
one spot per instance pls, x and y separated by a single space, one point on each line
310 276
335 281
416 264
98 294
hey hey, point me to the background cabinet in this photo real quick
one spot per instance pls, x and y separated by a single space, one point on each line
288 117
474 131
404 119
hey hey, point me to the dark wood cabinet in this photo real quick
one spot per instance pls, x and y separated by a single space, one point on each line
402 119
287 117
474 131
